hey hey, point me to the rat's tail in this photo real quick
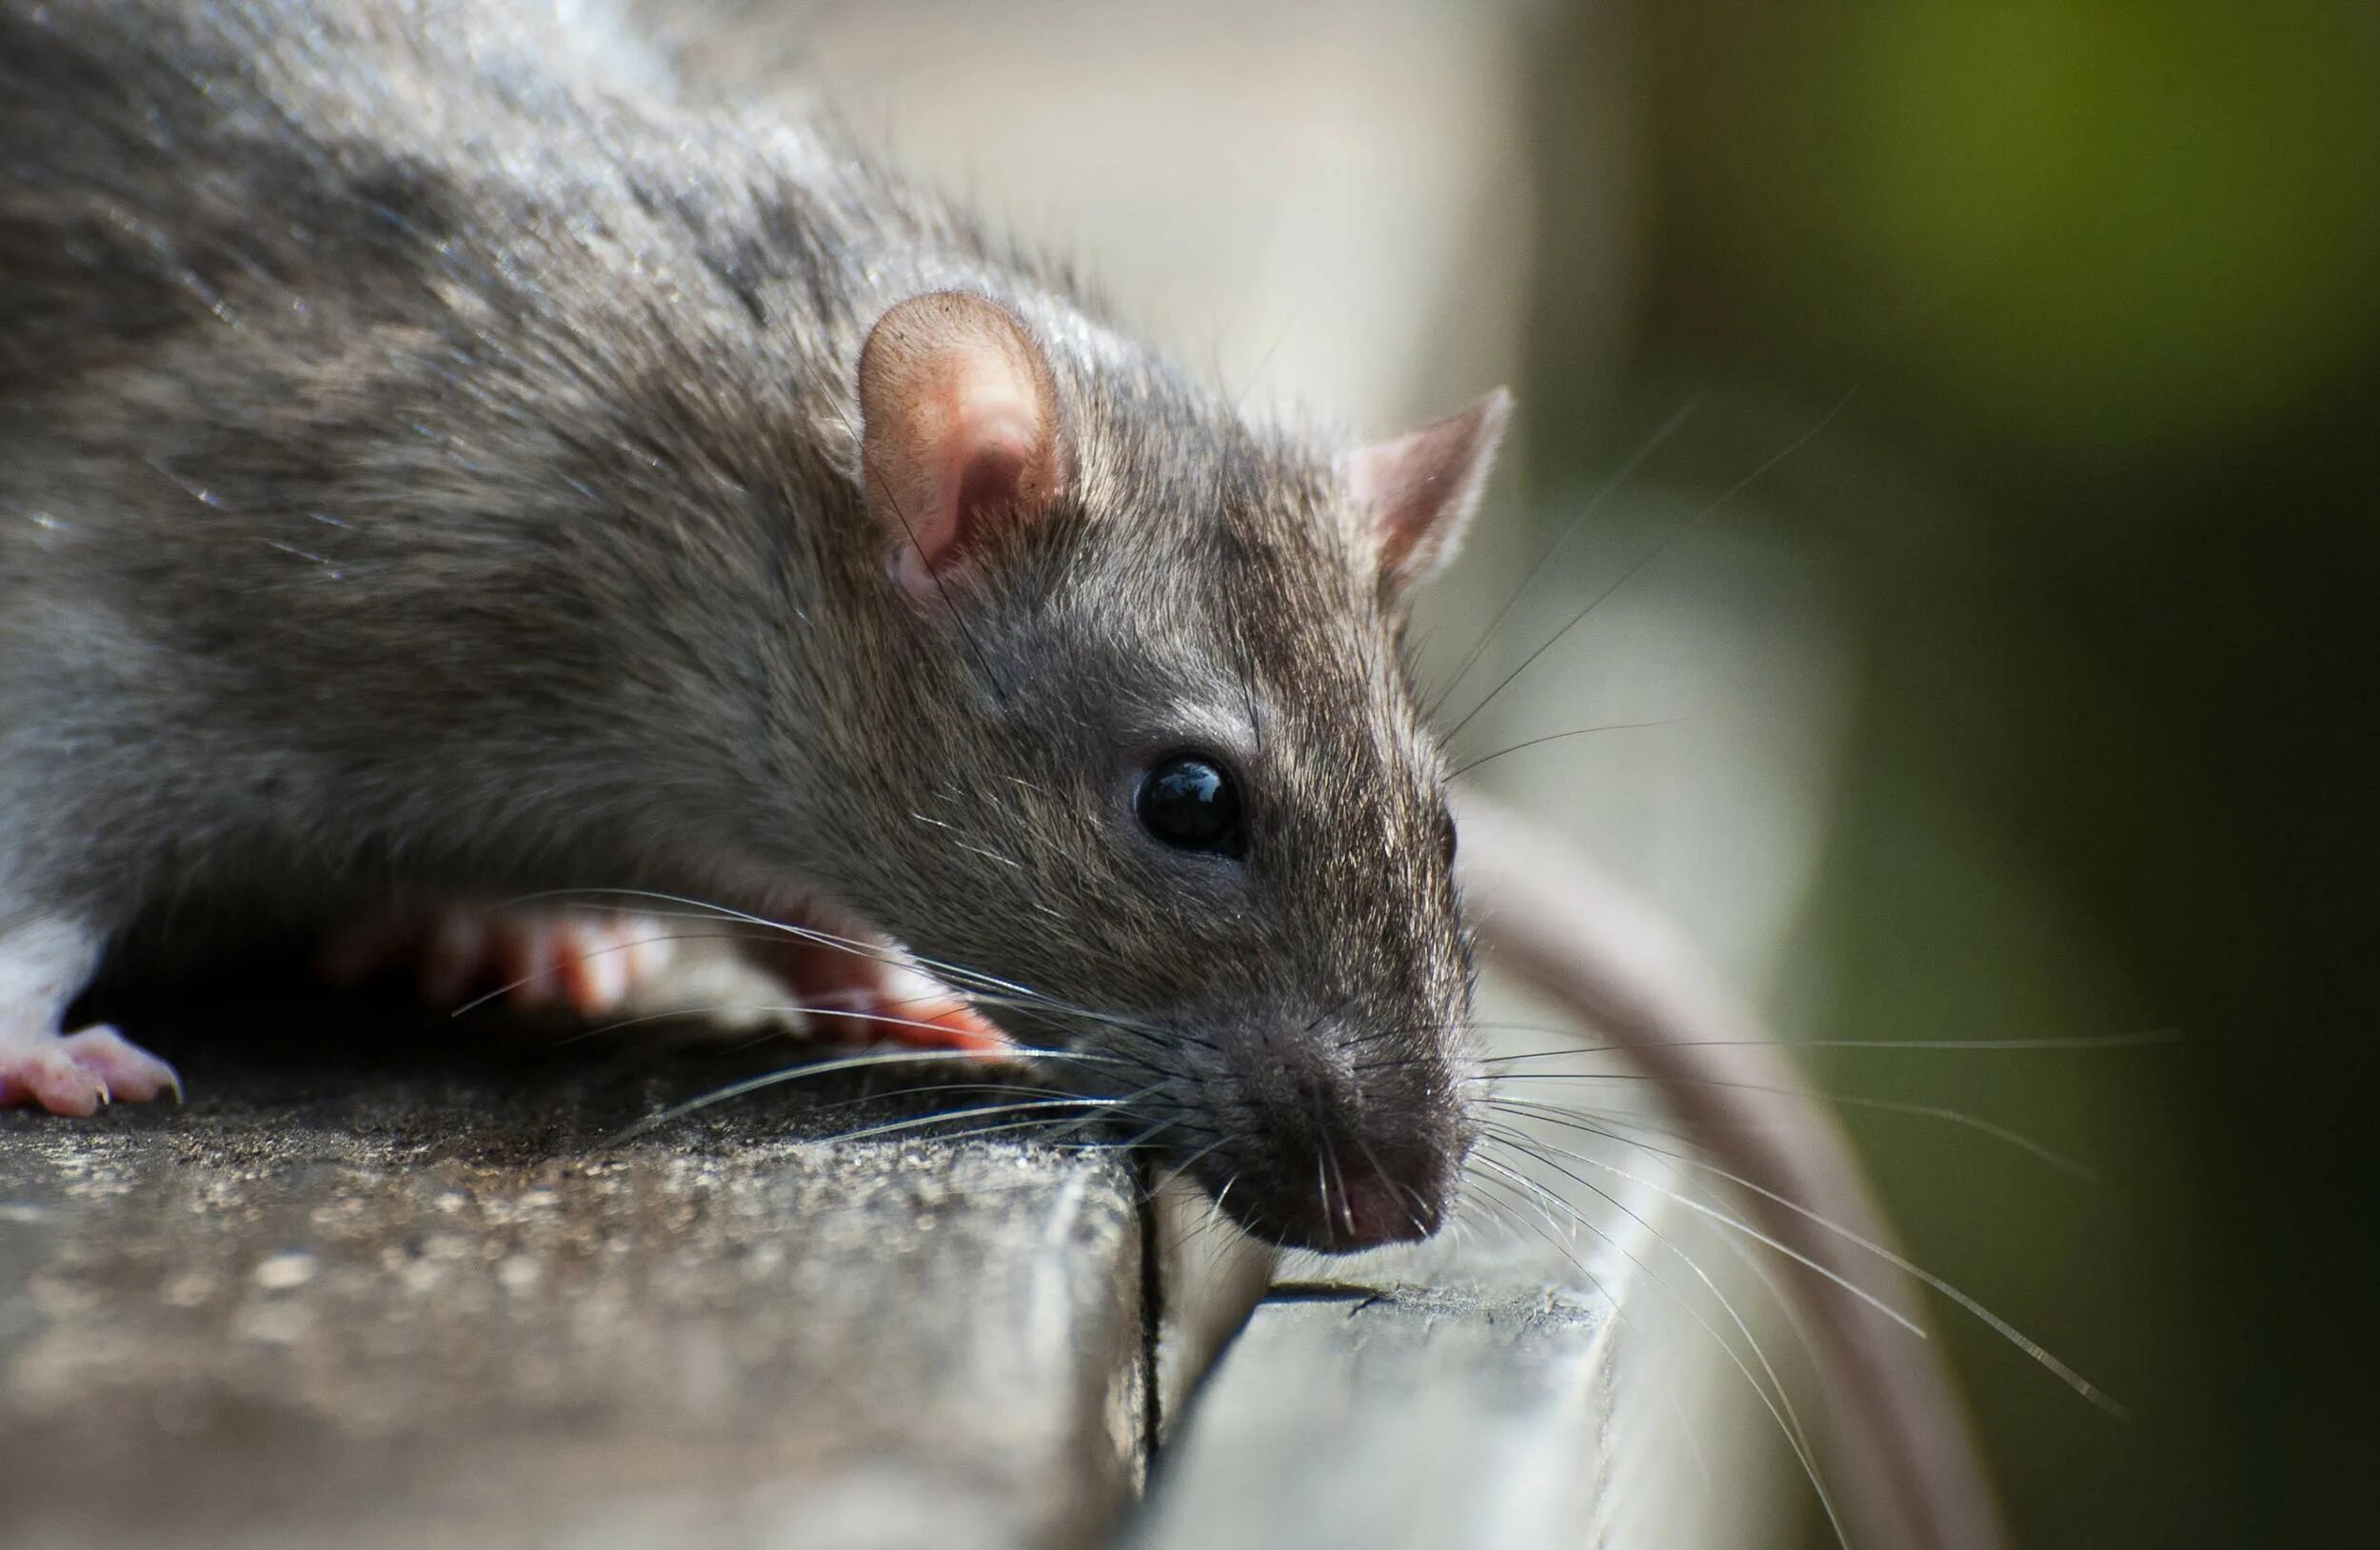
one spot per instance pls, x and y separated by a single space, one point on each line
1907 1456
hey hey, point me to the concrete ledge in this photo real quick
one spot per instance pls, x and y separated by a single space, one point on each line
396 1302
1403 1417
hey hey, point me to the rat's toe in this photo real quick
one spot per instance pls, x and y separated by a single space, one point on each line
80 1073
126 1070
589 963
599 961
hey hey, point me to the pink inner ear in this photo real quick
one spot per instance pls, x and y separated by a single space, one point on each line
989 478
1420 488
958 431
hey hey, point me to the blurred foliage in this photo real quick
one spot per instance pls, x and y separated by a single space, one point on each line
2106 228
2104 281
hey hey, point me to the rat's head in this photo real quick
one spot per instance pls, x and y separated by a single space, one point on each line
1169 774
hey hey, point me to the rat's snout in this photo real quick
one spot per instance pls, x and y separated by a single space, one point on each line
1337 1195
1320 1158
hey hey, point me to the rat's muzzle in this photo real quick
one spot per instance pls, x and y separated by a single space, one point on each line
1333 1196
1317 1158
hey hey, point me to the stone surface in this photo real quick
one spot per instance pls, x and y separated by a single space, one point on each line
390 1290
1405 1417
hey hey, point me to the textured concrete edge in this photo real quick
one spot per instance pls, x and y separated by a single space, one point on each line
102 1234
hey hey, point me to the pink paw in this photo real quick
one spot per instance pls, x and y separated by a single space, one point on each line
879 997
589 963
79 1072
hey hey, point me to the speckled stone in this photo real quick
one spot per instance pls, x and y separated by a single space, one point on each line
371 1286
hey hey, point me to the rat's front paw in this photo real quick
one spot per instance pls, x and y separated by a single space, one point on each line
78 1072
849 991
585 961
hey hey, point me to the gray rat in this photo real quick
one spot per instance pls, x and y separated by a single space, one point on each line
442 459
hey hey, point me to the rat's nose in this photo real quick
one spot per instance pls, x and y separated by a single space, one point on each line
1329 1203
1324 1153
1369 1209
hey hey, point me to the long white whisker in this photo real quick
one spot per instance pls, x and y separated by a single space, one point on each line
922 1121
2006 1331
2040 1151
770 1079
1788 1428
1795 1432
2089 1041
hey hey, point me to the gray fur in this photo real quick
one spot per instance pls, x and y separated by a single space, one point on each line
428 461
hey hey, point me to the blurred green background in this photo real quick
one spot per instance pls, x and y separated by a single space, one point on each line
2103 283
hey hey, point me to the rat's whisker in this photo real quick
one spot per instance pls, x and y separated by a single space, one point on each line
2109 1040
2041 1152
1675 532
1037 1132
1787 1306
1135 1143
1544 1153
1511 1137
1577 522
797 1073
2006 1331
880 951
1468 766
1792 1416
922 1121
1533 1194
937 1090
809 1010
1713 1214
1183 1166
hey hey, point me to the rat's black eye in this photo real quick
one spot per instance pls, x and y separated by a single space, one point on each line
1189 803
1446 834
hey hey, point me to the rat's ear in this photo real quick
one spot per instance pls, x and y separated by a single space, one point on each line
958 431
1419 490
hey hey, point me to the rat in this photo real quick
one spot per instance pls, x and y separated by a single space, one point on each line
444 461
445 458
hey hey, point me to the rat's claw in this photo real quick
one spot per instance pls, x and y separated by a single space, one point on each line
123 1068
81 1073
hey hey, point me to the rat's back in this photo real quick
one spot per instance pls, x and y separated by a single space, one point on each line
321 326
311 315
174 163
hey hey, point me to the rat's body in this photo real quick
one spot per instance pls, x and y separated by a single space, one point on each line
431 461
